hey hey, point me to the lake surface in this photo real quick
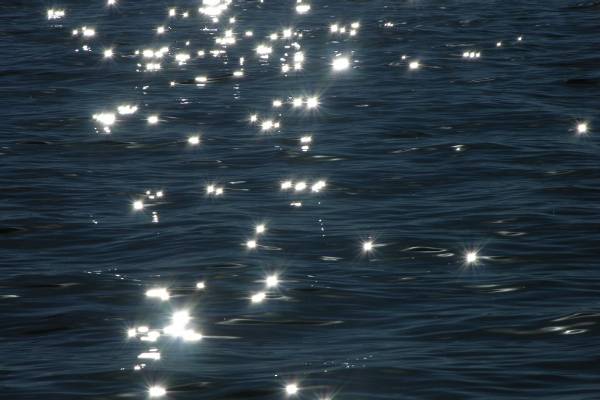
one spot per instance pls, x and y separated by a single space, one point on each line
418 218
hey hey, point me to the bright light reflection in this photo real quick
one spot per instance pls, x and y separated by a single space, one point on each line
267 125
88 32
157 391
312 102
302 8
161 293
55 14
318 186
286 185
182 58
263 50
582 128
106 119
291 389
258 297
154 355
127 109
471 257
153 67
179 327
340 63
272 281
300 186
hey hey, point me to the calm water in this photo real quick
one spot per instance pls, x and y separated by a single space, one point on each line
449 252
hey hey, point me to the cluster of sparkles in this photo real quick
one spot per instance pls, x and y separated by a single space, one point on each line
271 282
471 54
342 29
213 190
150 59
305 142
300 186
127 109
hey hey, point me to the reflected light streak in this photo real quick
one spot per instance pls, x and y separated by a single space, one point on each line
258 297
318 186
414 65
154 355
160 293
300 186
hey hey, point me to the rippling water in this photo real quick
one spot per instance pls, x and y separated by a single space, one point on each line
448 250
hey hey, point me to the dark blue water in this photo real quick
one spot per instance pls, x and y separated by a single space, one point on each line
460 156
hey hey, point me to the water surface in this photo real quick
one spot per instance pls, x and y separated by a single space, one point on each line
461 156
